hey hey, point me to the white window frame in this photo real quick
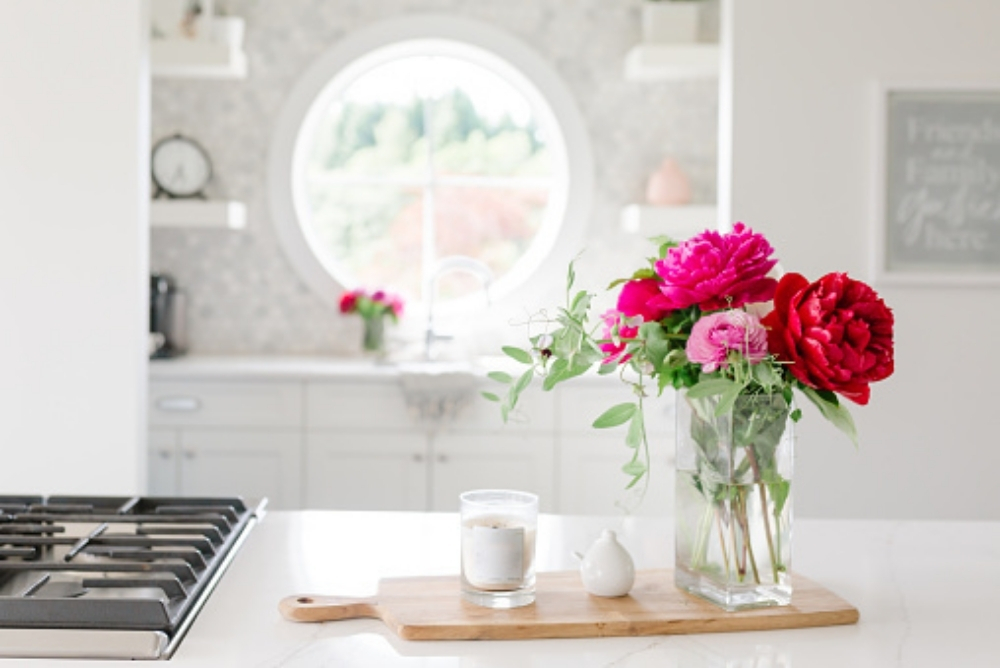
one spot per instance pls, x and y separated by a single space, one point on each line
556 243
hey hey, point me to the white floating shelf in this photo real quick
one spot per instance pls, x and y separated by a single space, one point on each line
196 60
678 222
662 62
198 214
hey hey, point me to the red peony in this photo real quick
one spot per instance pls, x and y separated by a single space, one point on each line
716 271
348 301
837 332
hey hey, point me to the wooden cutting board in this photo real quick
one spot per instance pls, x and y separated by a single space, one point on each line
431 608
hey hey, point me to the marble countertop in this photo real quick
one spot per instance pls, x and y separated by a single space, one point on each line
296 368
927 593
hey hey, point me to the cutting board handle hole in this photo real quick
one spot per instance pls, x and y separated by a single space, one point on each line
305 600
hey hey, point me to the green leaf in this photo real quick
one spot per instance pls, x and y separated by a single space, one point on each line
779 493
832 411
616 415
581 302
490 396
524 381
557 373
522 356
500 376
636 428
765 375
635 481
635 468
728 399
712 386
607 368
515 392
615 283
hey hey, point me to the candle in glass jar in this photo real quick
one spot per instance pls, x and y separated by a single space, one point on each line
498 547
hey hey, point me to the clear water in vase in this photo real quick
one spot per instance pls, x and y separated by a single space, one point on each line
733 509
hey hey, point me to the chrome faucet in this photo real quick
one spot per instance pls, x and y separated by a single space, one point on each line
444 266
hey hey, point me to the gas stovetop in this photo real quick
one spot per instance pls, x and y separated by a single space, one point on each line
111 577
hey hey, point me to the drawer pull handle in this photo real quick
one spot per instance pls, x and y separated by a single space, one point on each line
178 404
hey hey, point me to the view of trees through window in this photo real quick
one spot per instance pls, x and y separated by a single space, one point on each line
420 158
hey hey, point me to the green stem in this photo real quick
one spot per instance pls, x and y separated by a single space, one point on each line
747 544
763 510
722 544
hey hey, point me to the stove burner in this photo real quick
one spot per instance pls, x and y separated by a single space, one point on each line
140 564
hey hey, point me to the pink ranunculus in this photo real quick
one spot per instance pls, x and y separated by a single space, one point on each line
716 271
715 334
616 351
634 299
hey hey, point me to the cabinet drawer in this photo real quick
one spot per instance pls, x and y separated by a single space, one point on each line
221 404
371 405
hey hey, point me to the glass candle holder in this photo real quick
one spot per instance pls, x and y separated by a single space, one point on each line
498 547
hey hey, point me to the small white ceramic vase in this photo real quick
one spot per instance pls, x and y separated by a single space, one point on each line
607 568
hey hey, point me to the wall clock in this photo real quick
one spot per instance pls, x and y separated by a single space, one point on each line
180 167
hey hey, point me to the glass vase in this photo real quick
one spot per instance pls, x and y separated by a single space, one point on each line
734 500
374 336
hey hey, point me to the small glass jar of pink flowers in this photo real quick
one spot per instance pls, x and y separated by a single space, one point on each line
374 307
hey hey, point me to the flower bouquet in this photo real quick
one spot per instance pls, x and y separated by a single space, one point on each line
373 307
707 317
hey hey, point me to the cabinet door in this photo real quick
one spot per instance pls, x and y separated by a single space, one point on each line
366 470
248 463
163 462
464 460
591 481
590 460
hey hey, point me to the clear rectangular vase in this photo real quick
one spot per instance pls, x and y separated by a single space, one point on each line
733 518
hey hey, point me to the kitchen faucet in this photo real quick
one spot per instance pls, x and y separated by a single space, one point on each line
445 265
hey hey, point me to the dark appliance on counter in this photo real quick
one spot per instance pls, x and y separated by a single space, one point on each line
111 577
167 321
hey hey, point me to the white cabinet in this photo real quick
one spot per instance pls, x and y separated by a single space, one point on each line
224 439
355 444
366 470
464 461
366 449
590 479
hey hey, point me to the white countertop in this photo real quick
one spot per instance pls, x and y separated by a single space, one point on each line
293 367
928 594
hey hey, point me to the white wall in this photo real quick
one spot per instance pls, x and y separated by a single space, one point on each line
802 171
73 246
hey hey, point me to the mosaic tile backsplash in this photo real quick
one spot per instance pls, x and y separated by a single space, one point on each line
245 297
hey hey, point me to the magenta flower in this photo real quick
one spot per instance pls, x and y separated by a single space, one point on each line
614 351
715 271
634 299
714 335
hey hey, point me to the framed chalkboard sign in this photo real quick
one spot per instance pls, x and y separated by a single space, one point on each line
939 201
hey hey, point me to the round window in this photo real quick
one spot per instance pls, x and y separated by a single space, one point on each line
398 155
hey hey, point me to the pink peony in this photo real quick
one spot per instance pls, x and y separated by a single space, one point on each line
614 351
715 271
634 299
714 335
